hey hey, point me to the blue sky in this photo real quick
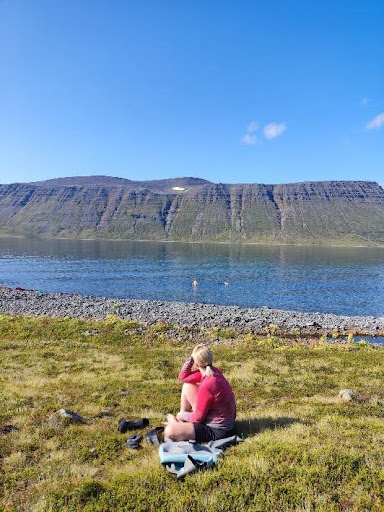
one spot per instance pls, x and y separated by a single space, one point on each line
248 91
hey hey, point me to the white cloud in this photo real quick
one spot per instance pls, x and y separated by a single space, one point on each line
249 140
376 123
273 130
253 126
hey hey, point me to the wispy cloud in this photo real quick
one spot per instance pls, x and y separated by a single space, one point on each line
253 126
364 101
273 130
376 123
249 140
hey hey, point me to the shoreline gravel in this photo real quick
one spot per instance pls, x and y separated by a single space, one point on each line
183 314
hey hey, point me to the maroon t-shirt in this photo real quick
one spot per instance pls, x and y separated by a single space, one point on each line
216 405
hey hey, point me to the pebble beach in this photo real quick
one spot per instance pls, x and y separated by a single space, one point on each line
183 314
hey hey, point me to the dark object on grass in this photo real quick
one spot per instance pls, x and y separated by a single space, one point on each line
191 466
125 425
134 441
152 436
7 429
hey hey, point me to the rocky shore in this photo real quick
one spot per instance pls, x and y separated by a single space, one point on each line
192 315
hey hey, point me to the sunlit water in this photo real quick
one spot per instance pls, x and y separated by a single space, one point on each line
337 280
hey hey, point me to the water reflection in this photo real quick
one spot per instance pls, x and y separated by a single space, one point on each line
339 280
285 255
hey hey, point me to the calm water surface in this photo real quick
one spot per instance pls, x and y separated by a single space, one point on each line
337 280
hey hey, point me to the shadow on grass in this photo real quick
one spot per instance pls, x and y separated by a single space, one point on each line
246 428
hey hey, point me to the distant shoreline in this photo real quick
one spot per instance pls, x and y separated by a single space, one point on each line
371 245
185 314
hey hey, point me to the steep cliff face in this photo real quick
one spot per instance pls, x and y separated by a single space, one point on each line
193 209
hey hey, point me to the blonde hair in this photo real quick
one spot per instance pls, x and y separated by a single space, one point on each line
203 358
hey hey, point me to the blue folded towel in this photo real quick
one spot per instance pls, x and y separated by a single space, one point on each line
185 457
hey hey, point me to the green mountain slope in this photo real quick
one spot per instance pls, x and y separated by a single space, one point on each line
192 209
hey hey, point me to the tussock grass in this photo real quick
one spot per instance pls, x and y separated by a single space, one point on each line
303 449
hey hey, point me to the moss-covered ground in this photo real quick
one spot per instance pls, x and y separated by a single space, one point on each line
303 448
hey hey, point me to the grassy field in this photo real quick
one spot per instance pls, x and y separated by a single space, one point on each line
303 448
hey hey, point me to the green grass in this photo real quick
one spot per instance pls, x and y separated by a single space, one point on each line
304 450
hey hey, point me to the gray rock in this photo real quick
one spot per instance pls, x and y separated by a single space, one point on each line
64 417
348 395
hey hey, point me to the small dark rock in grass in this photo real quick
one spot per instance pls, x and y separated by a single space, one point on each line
7 429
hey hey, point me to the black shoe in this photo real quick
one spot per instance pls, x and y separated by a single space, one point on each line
134 441
125 425
152 436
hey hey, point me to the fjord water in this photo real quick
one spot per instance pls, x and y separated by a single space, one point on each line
341 280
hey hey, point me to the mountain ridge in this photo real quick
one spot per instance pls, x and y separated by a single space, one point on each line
113 181
105 180
194 209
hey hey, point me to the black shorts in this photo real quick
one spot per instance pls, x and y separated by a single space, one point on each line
204 434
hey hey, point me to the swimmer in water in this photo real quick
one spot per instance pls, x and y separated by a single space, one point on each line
195 283
226 283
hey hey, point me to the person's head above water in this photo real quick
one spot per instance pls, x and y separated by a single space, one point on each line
203 358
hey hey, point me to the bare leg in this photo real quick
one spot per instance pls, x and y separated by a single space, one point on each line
188 397
180 431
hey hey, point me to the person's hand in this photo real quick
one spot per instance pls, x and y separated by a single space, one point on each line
179 416
170 419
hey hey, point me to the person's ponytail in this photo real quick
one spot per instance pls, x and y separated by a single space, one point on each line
208 371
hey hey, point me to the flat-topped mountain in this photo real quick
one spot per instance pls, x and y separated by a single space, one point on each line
109 181
193 209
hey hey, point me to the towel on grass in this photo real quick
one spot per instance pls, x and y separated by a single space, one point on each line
185 457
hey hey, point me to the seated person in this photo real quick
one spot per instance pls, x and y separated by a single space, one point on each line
208 407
